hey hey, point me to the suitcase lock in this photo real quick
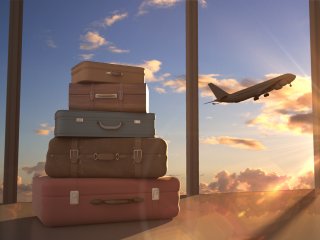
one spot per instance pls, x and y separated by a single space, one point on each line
137 155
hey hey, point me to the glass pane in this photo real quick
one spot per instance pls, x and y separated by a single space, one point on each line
126 32
4 28
261 145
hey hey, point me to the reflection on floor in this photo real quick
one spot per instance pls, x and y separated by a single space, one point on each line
255 215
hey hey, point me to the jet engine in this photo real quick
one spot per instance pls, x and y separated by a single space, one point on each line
278 86
256 98
266 94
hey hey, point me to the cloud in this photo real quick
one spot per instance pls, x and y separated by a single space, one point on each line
156 4
242 143
150 68
92 40
256 180
24 191
303 122
230 85
116 17
178 85
287 110
146 4
160 90
50 43
38 169
112 48
203 3
87 56
44 129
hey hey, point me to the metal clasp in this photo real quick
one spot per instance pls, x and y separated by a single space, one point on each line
74 155
137 155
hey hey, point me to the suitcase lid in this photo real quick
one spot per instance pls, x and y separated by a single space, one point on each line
56 187
65 114
107 66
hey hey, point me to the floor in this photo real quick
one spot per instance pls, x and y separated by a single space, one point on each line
252 215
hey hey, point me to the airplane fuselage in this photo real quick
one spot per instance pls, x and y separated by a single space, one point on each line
259 89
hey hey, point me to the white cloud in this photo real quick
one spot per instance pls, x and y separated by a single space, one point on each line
112 48
24 191
178 85
286 110
92 41
156 4
242 143
160 90
50 43
115 18
150 68
44 129
147 4
86 56
230 85
256 180
37 170
203 3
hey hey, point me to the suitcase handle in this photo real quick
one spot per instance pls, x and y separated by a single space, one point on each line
106 95
116 201
109 127
115 74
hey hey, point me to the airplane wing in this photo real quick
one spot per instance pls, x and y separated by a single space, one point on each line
272 84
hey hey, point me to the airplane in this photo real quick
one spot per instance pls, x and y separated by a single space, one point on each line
254 91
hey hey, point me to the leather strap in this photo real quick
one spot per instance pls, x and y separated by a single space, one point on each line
137 157
120 99
74 158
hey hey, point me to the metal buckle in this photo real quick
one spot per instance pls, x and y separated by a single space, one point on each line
74 154
137 155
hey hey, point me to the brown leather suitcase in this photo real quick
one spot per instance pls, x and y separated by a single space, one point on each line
106 157
115 97
73 201
99 72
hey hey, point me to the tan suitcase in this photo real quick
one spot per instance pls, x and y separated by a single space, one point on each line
106 157
98 72
113 97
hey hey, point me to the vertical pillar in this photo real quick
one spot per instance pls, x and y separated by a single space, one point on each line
192 112
13 102
315 75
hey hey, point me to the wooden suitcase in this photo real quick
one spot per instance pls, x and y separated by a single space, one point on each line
70 123
107 157
99 72
73 201
115 97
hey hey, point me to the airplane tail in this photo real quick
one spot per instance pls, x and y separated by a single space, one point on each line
218 92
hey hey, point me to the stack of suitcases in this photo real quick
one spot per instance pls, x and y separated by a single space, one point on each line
104 163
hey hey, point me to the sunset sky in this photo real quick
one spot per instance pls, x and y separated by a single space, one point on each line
249 146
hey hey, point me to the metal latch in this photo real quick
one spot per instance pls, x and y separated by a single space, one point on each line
74 197
79 120
137 155
74 155
155 194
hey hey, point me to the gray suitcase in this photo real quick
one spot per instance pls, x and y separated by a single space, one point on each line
70 123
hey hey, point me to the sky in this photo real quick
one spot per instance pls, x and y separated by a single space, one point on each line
248 146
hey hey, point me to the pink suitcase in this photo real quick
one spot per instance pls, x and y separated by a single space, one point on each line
73 201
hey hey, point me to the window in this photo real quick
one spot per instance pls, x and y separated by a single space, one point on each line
114 31
255 145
